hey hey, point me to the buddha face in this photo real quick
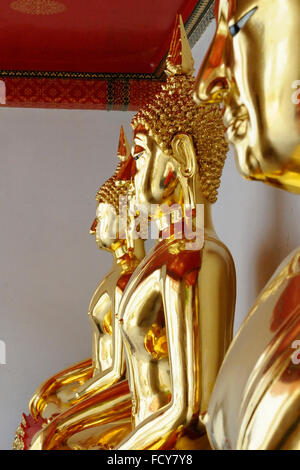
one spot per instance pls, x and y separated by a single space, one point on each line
253 68
157 172
105 226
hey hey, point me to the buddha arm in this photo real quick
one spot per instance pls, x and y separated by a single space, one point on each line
109 360
199 321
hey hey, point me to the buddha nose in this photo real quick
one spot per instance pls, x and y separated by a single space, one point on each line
93 227
213 80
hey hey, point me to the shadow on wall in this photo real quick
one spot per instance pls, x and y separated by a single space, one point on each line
279 238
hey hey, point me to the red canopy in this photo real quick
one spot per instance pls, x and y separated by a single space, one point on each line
93 54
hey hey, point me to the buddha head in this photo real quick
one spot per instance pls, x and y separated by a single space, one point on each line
253 68
176 141
106 224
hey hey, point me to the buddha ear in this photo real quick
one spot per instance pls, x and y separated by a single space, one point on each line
184 152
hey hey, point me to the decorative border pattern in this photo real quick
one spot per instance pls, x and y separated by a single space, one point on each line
76 75
92 90
199 20
116 95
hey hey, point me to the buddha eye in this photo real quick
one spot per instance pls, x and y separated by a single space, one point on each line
235 29
138 152
138 155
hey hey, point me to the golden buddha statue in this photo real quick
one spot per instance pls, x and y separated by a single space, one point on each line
100 414
253 68
185 294
107 366
176 313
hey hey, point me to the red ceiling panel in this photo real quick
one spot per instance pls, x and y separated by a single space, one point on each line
92 39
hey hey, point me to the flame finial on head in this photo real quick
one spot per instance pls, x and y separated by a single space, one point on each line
180 59
119 184
123 147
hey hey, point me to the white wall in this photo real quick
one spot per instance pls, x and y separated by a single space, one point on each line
51 164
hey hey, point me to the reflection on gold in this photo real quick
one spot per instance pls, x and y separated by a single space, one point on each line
38 7
107 324
95 423
256 399
46 401
156 342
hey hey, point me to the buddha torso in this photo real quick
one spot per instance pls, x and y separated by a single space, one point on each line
195 285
